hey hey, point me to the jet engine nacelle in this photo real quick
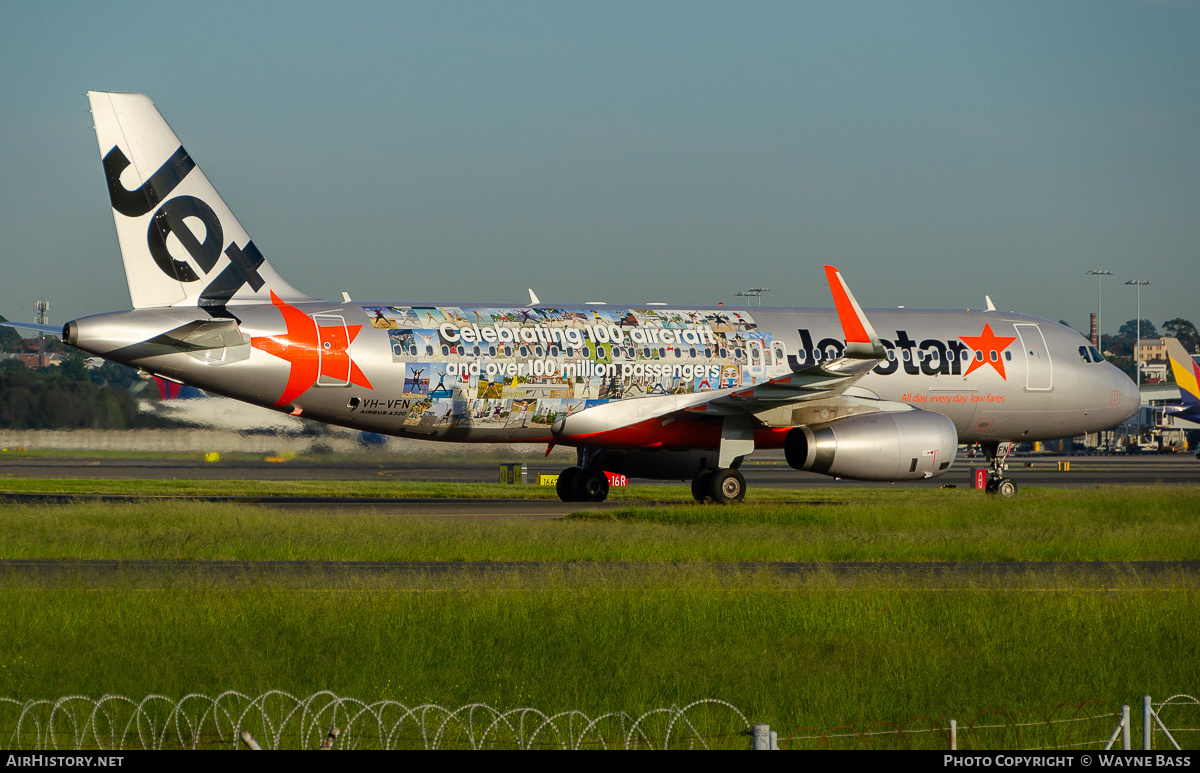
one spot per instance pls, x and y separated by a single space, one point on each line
906 445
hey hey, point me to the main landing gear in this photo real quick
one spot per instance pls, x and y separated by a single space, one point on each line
997 455
582 484
587 481
589 484
723 486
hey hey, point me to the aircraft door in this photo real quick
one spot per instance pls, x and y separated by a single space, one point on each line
754 360
333 350
1039 370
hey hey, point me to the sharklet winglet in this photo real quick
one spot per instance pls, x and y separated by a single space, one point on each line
861 340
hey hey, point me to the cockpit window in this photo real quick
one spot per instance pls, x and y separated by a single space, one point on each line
1096 355
1084 354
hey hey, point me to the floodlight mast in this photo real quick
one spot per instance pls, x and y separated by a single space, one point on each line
753 292
1137 346
1099 307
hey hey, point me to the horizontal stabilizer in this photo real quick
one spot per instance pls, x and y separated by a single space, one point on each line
50 329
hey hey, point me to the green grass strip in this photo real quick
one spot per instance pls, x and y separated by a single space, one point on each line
809 657
1111 524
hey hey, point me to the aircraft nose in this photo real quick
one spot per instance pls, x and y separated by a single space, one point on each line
1125 394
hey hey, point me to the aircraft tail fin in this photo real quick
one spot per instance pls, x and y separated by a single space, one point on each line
1187 375
180 243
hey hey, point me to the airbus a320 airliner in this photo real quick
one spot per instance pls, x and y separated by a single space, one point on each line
650 391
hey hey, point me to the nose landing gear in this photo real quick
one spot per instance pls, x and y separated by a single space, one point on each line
996 454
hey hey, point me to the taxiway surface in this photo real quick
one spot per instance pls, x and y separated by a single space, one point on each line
765 470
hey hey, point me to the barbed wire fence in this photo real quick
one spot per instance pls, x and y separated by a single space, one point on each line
1066 726
279 720
324 720
1183 711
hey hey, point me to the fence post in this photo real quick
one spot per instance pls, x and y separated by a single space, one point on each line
1122 727
954 735
762 738
1147 714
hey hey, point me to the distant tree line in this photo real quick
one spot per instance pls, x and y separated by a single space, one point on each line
1186 333
10 339
1122 343
70 397
1120 347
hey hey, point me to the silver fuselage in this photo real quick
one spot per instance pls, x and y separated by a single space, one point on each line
487 373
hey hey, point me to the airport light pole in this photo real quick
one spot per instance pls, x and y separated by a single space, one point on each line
1099 307
1137 347
754 292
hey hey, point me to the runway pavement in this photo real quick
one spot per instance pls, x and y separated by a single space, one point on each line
765 470
425 507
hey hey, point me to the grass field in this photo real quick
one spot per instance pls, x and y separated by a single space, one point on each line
814 656
815 653
1115 524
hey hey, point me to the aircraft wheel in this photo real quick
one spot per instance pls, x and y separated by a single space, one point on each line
591 485
702 486
1006 487
566 484
727 486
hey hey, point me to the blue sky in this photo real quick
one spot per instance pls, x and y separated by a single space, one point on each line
631 152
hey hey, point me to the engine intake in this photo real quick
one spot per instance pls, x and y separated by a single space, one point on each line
907 445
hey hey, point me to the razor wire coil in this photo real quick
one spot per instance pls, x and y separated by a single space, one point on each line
277 720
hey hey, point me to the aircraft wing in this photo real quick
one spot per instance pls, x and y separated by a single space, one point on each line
812 383
821 380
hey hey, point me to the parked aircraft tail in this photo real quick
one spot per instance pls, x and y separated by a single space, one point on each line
180 243
173 390
1187 378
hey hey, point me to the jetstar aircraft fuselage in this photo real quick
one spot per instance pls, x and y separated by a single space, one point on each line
378 367
649 390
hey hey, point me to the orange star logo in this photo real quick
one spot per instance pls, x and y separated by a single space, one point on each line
312 350
991 346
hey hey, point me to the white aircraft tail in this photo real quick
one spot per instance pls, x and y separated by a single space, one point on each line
180 243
